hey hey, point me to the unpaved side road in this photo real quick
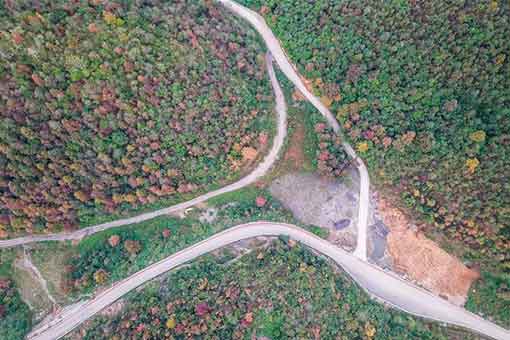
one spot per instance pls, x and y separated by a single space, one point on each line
387 287
260 170
27 263
272 43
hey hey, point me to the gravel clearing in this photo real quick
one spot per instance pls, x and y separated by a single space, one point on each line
332 204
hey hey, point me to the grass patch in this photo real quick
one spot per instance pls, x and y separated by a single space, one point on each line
490 296
51 259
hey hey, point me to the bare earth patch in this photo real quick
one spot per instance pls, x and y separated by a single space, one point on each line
295 153
332 204
422 260
322 202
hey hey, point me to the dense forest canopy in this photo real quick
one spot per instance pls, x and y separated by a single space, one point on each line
109 105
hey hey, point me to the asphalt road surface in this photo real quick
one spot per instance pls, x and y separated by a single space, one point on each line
389 288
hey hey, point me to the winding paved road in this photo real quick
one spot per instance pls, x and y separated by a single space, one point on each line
273 45
383 285
260 170
390 288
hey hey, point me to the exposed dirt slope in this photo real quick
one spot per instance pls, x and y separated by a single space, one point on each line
423 260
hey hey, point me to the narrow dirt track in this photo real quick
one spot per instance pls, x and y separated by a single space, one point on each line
28 265
375 281
260 170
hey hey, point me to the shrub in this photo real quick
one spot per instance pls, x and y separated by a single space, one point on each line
15 317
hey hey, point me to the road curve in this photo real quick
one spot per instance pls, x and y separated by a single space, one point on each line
390 288
272 43
259 171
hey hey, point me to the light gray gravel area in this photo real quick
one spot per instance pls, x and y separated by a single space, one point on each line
208 215
332 204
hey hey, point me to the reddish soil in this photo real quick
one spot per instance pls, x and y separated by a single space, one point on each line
422 260
295 153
